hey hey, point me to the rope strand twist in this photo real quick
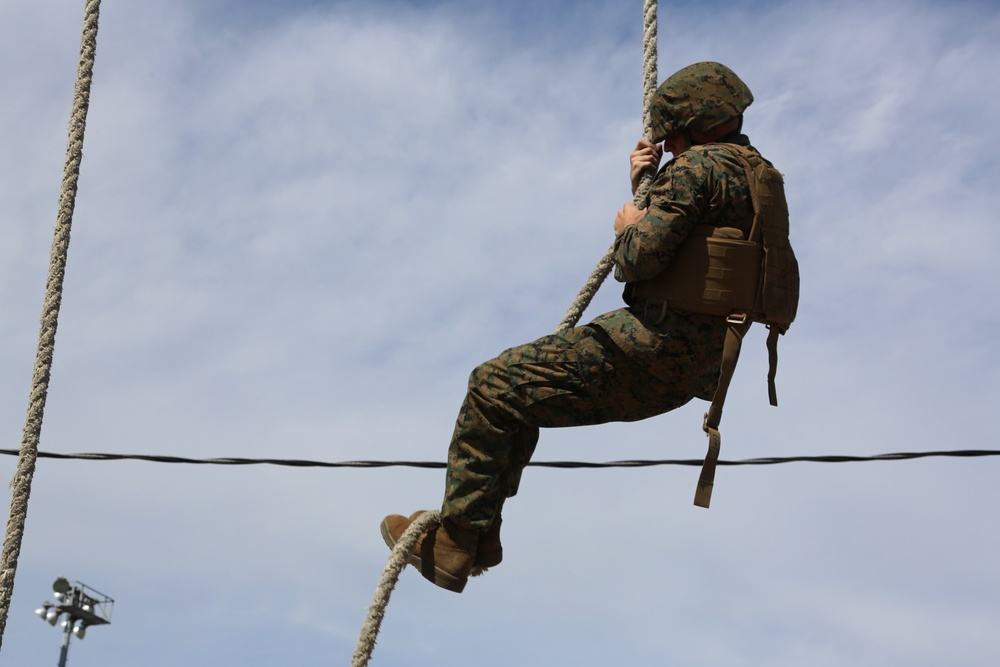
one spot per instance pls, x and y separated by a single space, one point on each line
649 69
387 583
21 483
377 611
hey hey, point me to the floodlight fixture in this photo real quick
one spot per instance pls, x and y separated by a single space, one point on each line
82 606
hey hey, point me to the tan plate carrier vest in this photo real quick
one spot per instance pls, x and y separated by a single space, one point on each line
717 272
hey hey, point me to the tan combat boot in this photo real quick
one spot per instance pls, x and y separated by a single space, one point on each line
444 555
490 551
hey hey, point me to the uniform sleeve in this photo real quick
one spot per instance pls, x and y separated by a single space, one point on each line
676 204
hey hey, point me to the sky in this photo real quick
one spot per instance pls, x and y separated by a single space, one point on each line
299 227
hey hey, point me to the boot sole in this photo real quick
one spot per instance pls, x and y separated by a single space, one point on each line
436 576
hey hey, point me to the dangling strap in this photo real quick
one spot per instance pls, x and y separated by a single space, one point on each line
738 326
703 494
772 362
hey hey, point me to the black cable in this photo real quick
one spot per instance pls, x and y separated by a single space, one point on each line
302 463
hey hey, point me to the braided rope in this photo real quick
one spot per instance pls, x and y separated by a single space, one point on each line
397 560
600 273
21 484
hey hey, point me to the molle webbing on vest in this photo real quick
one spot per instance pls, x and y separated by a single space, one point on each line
715 272
779 285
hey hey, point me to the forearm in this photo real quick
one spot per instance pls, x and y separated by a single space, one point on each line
645 249
677 201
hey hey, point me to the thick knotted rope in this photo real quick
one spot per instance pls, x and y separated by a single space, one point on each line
430 520
21 484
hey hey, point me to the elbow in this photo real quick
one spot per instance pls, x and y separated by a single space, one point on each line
636 272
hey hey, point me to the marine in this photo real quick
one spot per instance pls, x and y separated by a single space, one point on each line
633 363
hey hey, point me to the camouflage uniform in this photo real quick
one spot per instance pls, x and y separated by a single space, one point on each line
625 365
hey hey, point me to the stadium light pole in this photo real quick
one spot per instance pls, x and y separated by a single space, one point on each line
83 607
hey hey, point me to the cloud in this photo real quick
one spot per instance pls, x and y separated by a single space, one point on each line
300 227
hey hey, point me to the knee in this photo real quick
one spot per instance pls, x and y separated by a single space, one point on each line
487 374
491 386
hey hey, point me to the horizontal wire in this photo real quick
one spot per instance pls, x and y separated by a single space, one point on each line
303 463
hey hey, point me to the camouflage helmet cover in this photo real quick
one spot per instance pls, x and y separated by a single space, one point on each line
699 97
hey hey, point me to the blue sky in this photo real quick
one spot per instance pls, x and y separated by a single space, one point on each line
301 224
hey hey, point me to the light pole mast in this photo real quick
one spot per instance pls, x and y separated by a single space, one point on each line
64 650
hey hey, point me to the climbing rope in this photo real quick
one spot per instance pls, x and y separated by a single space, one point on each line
369 632
21 484
649 74
397 561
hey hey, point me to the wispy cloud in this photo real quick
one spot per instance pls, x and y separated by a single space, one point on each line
300 227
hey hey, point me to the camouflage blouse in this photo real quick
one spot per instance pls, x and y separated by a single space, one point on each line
703 185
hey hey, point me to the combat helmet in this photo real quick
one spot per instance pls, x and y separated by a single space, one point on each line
698 98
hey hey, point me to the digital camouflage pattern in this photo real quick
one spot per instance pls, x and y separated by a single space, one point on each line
704 185
621 366
575 378
700 97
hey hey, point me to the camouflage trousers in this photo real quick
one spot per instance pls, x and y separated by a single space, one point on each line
574 378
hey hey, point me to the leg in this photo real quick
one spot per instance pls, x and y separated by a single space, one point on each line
575 378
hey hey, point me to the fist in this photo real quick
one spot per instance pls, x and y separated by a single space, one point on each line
645 158
627 216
